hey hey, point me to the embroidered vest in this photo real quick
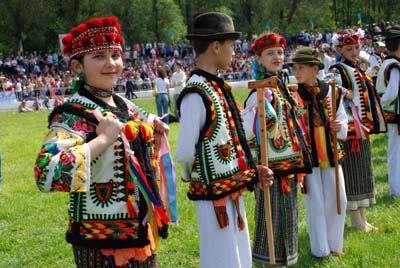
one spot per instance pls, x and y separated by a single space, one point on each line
111 212
392 110
364 112
287 148
219 167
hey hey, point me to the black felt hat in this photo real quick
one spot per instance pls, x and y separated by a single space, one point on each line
307 55
213 26
392 33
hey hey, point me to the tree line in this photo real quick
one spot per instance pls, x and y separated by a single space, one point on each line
35 25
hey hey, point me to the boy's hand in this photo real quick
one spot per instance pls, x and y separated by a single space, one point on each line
265 175
335 126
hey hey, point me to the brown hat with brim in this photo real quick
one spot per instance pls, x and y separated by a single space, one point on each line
307 55
392 33
213 26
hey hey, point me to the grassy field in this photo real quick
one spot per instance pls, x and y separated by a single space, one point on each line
33 224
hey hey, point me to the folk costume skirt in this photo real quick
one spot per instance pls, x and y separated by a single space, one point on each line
358 175
285 209
228 247
94 258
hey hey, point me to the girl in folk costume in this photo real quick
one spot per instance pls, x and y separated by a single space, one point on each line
325 225
388 83
287 154
212 148
99 148
365 117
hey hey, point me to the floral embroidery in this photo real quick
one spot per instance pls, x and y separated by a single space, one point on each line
66 158
83 126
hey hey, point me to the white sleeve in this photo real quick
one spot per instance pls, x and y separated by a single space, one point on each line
392 88
342 117
373 62
193 118
248 116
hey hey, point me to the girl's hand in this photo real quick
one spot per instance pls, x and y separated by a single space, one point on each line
108 129
160 127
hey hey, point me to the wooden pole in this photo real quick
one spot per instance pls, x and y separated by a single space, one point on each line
335 149
260 85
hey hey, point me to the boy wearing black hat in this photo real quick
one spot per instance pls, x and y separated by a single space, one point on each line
324 224
388 83
212 148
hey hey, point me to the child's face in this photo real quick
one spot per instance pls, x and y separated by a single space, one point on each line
224 54
305 73
102 69
272 58
350 52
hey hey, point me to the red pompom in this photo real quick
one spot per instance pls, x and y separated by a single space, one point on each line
67 39
85 41
75 31
107 21
98 23
67 49
94 23
113 20
99 39
81 28
120 39
75 44
111 37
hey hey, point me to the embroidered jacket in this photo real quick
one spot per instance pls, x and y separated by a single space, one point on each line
108 207
392 110
364 111
321 103
219 168
288 151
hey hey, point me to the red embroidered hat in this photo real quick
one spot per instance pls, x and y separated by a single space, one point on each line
267 41
348 39
94 35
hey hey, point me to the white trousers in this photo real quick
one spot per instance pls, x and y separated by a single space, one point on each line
222 248
394 160
325 226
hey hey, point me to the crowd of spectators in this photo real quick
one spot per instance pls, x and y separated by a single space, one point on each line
37 75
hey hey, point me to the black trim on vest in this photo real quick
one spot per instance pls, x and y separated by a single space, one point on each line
206 102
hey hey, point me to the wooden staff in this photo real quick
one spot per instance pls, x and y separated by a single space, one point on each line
260 85
335 149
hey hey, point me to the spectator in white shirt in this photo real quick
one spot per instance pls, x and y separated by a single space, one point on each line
178 82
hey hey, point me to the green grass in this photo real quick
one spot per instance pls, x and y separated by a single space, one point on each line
33 224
